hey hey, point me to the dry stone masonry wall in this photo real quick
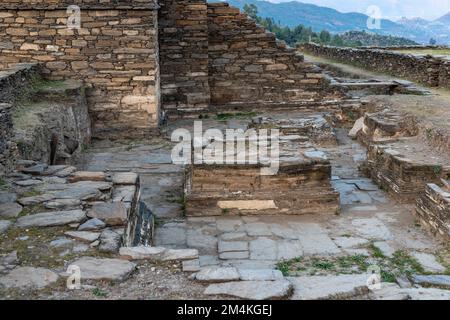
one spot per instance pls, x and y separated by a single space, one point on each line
430 70
214 56
248 64
183 33
115 52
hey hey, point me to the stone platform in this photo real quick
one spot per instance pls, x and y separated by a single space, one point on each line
313 127
386 126
300 186
433 209
404 167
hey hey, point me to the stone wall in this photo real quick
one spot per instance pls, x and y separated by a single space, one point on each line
429 70
183 41
214 57
444 74
248 64
115 52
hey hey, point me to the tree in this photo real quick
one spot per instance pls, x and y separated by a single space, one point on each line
251 10
324 36
433 41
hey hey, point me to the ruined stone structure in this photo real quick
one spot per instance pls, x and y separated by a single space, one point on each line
208 56
115 53
430 70
222 190
433 209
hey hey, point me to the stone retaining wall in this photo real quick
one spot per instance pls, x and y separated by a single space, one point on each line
429 70
115 52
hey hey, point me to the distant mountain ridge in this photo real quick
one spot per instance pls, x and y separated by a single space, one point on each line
322 18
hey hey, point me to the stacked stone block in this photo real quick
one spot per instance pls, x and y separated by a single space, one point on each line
433 209
385 126
404 167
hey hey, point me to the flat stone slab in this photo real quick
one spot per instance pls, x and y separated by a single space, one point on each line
234 255
263 249
329 287
125 178
253 290
28 183
391 291
92 224
218 274
141 253
83 190
372 228
10 210
83 235
28 278
104 269
227 246
180 254
260 274
349 242
110 241
51 219
157 253
87 176
432 280
6 197
113 214
191 265
29 201
428 262
63 203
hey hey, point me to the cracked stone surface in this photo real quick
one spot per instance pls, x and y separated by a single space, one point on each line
254 290
326 287
28 278
104 269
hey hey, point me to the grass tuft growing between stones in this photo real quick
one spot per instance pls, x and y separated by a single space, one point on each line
401 263
3 183
237 115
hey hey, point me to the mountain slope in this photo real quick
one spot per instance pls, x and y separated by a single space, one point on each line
444 19
321 18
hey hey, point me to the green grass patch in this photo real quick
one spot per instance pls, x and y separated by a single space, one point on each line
376 252
285 267
99 292
3 183
405 263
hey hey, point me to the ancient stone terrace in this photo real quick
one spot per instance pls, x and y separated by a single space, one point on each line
123 211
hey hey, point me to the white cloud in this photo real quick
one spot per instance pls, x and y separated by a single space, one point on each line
391 9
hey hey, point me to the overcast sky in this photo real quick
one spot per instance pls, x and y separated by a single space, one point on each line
390 9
